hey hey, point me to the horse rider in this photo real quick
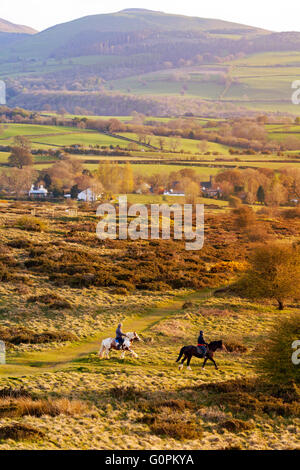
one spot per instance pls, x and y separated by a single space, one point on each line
202 345
119 336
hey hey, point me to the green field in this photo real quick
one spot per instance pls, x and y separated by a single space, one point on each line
259 81
46 137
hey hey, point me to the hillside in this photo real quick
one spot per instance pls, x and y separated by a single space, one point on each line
7 27
132 53
132 30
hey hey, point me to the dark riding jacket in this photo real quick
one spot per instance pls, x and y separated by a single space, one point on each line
201 339
119 333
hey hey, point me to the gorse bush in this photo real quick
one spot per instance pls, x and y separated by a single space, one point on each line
53 301
244 216
276 354
21 335
176 429
32 224
235 425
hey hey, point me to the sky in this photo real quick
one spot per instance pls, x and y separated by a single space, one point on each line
274 15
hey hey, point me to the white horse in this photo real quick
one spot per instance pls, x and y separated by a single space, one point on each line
110 343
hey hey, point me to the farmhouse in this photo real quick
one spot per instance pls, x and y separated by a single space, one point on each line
39 193
172 193
208 190
88 195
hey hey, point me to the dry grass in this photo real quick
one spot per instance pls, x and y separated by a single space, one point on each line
24 406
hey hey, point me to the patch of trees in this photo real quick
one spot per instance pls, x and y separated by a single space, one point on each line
264 186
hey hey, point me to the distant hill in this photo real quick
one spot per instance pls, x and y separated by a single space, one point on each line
7 27
144 55
128 31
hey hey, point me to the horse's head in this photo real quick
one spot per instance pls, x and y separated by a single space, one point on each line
214 345
133 336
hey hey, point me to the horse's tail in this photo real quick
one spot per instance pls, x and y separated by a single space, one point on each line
180 354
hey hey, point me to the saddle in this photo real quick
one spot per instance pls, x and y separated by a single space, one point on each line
119 344
201 349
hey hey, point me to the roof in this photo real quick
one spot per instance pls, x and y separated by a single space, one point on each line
40 190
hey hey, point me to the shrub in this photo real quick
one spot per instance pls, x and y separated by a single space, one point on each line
257 233
176 429
154 406
273 273
234 201
20 335
4 274
292 213
234 346
235 425
275 357
120 291
17 431
20 243
32 224
126 393
52 301
9 392
244 216
187 305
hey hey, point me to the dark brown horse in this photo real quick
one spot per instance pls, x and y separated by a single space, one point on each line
189 351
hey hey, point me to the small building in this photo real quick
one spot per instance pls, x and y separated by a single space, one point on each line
173 193
38 193
88 195
208 190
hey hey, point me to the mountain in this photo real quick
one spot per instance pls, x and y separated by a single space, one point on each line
135 57
108 33
7 27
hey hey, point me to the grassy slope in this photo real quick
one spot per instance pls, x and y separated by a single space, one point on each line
259 80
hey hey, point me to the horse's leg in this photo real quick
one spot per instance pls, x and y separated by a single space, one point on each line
102 350
100 353
132 353
205 359
123 354
181 364
214 362
188 363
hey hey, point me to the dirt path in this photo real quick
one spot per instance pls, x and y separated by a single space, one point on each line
33 363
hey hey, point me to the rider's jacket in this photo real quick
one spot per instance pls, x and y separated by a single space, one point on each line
119 333
201 340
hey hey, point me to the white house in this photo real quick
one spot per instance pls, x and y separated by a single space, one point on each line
39 193
88 195
172 193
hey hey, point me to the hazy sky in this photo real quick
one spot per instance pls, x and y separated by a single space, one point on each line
275 15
